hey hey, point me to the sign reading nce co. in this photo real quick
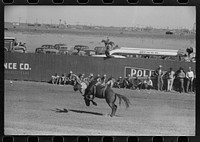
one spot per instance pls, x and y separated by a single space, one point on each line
17 66
133 71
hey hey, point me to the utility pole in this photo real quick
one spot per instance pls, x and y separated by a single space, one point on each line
194 27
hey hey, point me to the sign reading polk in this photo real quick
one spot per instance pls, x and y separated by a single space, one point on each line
140 72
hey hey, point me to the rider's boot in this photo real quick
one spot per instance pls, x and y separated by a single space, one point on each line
94 103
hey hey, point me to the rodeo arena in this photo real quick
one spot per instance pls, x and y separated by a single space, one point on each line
110 90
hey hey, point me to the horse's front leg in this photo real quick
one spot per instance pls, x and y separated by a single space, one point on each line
91 99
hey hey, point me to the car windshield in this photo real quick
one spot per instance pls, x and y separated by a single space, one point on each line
19 49
47 46
64 48
99 48
82 47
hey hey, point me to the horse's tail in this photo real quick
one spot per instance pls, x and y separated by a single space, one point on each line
125 99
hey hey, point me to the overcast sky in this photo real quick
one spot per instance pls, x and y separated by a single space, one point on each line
157 16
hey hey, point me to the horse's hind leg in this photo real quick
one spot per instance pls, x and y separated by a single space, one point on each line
114 108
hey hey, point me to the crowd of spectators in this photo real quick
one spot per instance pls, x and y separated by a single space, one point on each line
181 81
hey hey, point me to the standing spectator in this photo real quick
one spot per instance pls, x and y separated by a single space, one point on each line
190 78
148 84
181 76
170 75
137 83
159 78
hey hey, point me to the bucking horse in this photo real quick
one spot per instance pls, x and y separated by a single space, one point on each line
90 91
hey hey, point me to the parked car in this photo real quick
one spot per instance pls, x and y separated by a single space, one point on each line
63 50
11 45
47 46
75 52
39 50
51 51
100 50
58 46
43 47
80 47
169 32
9 42
19 49
89 52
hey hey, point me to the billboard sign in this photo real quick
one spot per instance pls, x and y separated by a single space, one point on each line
140 72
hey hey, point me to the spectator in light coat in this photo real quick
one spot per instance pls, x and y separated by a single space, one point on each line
170 75
190 78
159 78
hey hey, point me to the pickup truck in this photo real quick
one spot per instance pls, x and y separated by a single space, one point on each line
11 45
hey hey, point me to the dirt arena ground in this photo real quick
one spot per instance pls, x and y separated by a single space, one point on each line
41 108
